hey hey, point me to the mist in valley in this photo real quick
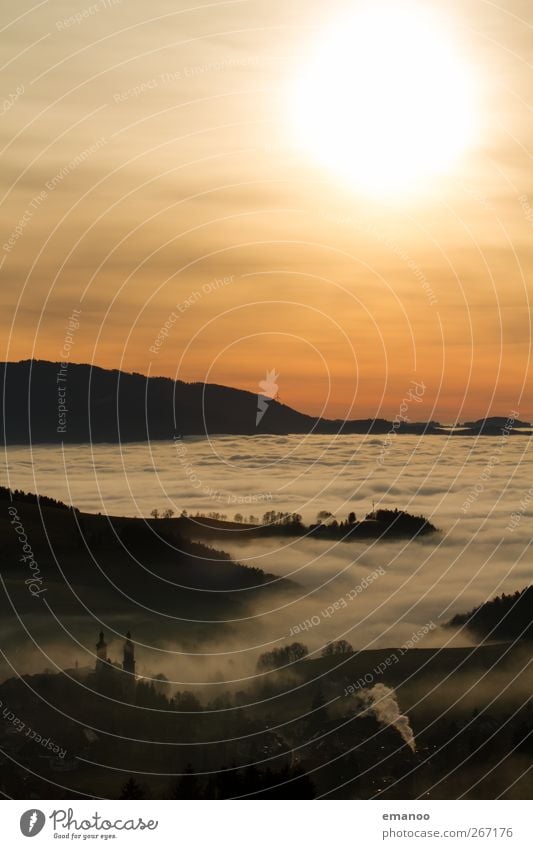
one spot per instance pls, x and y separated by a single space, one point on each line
374 594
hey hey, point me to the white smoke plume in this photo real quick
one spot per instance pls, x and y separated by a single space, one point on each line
381 701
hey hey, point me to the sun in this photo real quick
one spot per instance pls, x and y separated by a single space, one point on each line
386 101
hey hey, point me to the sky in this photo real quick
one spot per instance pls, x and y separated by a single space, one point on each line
154 180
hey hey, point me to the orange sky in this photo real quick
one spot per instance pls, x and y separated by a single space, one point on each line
149 179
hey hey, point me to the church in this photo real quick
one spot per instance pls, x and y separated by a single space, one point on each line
114 679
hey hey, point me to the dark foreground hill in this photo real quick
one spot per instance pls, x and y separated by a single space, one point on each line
442 724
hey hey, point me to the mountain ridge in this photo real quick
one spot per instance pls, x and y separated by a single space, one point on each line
52 403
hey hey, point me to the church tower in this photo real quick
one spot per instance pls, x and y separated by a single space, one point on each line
128 668
101 652
128 663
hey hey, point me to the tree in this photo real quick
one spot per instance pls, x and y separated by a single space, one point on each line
282 656
337 647
187 701
322 515
221 702
146 694
238 517
188 786
168 513
352 518
155 513
161 684
297 651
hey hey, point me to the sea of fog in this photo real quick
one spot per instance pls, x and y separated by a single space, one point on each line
477 491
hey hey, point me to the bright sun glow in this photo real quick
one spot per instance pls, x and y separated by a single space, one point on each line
386 101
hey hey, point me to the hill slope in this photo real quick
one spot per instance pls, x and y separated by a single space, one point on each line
81 561
98 405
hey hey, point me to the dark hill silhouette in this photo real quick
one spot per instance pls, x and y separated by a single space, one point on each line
506 617
112 406
21 497
381 523
115 563
92 404
493 426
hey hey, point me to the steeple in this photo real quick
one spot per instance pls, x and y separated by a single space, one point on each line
128 663
101 651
